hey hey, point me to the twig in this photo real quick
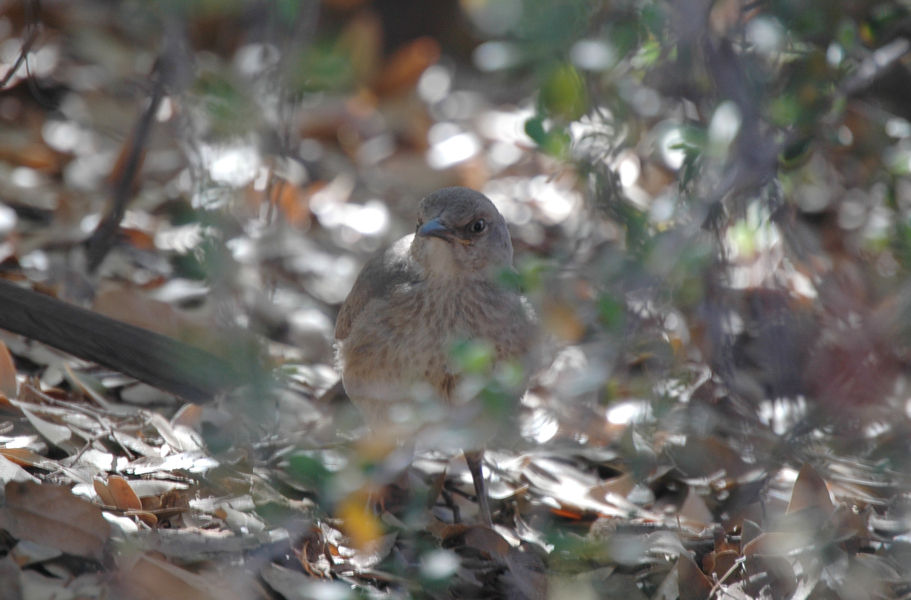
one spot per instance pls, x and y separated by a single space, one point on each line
23 52
89 443
724 577
875 64
102 239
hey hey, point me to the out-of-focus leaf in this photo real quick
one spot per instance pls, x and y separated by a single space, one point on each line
529 575
810 490
374 552
238 521
26 458
717 564
563 94
778 543
10 576
775 572
709 456
695 509
692 582
404 68
59 435
11 471
293 585
52 516
148 577
360 523
26 553
307 470
749 531
669 588
8 386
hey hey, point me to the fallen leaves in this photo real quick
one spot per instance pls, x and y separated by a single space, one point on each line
53 516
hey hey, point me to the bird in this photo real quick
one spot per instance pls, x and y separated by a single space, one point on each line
414 302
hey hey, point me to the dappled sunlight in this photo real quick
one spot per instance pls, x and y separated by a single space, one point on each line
691 381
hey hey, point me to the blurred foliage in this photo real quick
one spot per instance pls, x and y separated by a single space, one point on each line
711 208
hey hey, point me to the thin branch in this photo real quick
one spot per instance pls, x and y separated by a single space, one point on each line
102 239
23 53
876 64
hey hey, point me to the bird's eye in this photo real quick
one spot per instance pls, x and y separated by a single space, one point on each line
478 226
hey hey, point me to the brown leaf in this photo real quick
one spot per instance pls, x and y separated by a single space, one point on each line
123 495
560 319
621 486
436 488
53 516
810 491
146 517
7 373
721 540
104 493
720 562
694 509
749 532
25 458
154 579
403 69
692 582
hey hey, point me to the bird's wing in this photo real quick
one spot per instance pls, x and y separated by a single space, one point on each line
377 279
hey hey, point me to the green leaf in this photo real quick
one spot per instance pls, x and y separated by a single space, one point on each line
563 94
307 470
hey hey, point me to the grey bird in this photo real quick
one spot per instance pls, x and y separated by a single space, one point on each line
414 302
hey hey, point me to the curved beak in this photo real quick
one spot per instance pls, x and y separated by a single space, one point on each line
435 228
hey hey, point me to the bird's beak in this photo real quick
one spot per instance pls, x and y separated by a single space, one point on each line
435 228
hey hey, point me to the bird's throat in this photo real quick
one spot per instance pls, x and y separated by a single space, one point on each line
439 261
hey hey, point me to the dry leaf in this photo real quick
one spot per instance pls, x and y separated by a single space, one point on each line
719 563
10 471
695 509
59 435
53 516
749 531
487 541
769 544
810 491
527 570
10 575
146 517
123 495
104 493
692 582
154 579
775 572
403 69
293 585
26 458
8 385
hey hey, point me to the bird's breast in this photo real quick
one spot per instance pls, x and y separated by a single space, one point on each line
408 338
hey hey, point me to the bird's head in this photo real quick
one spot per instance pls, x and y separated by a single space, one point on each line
460 233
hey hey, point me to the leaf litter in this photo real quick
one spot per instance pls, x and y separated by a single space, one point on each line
110 491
